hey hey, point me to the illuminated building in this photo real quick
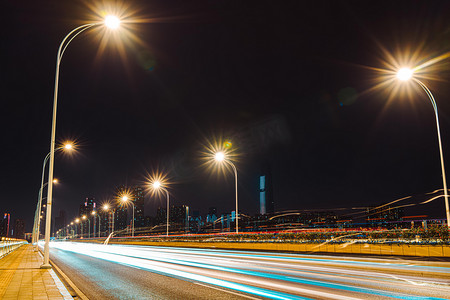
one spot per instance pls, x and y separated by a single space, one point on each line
19 229
266 203
138 198
4 225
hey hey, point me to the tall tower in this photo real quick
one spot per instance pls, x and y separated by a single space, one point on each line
121 216
266 203
138 198
86 210
4 225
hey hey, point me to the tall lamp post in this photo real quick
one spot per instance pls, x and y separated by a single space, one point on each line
93 228
99 222
111 22
405 74
157 185
35 237
113 210
89 225
37 221
77 220
220 157
125 200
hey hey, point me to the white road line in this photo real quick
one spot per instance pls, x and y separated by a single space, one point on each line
62 289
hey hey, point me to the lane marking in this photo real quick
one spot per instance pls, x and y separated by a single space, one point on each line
62 289
79 293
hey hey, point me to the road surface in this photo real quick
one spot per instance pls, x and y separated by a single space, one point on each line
145 272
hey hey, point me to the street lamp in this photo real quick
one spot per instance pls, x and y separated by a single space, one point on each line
38 217
125 200
77 220
220 157
37 223
157 185
106 208
110 22
405 74
93 213
89 225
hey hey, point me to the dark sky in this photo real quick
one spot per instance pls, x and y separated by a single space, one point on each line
199 71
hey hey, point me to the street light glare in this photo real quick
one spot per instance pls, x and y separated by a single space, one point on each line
220 156
112 22
404 74
156 184
125 198
55 180
68 146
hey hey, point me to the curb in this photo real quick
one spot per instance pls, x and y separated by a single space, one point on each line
71 288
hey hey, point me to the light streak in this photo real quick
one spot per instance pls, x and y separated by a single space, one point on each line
226 266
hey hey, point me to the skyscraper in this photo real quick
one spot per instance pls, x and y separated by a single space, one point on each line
61 220
266 203
120 217
19 229
86 210
138 198
4 225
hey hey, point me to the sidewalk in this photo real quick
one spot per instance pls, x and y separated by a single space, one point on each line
21 278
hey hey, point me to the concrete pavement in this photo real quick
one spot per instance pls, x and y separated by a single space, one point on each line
21 277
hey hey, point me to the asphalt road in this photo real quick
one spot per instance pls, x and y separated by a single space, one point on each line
144 272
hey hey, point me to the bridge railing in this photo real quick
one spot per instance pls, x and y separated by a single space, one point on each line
9 244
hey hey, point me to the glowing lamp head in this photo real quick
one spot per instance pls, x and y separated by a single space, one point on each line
84 217
125 198
404 74
68 146
77 220
105 207
112 22
55 180
219 157
156 184
93 212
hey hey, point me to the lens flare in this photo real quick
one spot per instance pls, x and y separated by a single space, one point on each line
112 22
405 74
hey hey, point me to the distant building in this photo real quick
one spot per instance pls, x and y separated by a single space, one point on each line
138 198
61 220
384 213
212 215
86 209
266 203
19 229
4 225
178 214
121 215
161 215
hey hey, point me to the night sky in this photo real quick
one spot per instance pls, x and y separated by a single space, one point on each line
203 71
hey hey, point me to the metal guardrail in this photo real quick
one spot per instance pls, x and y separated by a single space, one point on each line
8 245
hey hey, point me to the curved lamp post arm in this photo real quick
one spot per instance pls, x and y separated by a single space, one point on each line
70 36
444 180
236 190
